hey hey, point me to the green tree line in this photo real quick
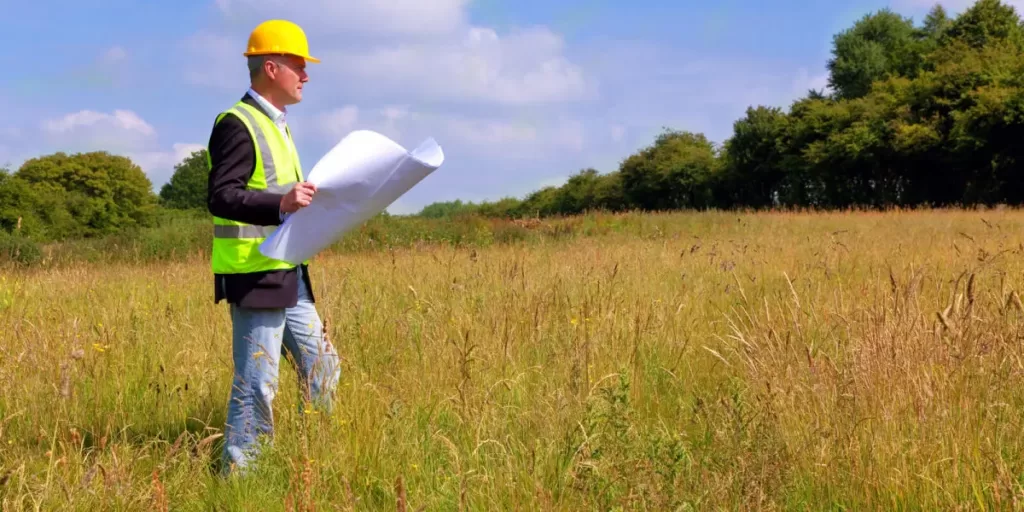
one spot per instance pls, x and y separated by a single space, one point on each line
86 195
916 115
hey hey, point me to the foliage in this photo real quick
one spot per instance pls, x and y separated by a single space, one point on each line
81 195
878 46
187 186
18 249
670 174
447 209
507 207
757 147
986 22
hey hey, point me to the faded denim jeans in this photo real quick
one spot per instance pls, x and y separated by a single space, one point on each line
260 339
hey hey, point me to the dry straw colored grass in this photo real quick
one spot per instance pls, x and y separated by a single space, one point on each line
759 361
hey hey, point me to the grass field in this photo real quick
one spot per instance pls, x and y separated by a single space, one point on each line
856 361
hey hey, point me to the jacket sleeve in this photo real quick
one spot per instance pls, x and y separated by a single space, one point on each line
233 160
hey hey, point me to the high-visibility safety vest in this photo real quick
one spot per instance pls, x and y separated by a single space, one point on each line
236 244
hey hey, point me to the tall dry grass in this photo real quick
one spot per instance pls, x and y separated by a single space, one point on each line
855 361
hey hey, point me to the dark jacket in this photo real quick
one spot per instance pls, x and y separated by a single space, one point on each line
233 158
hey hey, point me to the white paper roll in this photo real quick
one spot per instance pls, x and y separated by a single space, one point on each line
357 179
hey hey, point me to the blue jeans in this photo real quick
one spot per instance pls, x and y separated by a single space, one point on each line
260 338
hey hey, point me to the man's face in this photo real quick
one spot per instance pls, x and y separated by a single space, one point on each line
288 74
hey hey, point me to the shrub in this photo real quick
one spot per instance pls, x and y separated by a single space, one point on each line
19 249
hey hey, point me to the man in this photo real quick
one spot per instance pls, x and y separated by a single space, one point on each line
255 180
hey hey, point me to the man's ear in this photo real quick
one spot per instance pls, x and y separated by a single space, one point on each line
270 68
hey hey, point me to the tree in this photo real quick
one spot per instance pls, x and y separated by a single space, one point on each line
103 193
754 157
879 45
542 203
506 207
187 187
672 173
985 22
608 192
930 35
936 23
589 190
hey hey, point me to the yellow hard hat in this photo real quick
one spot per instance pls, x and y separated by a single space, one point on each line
279 37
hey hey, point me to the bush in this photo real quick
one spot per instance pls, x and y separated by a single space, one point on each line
19 249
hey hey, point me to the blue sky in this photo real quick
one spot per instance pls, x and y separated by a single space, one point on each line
519 94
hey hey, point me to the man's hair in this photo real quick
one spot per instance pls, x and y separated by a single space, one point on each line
256 65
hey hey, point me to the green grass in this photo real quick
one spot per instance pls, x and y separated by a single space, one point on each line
179 235
693 361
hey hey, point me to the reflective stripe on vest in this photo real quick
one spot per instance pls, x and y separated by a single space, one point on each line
269 168
276 169
247 231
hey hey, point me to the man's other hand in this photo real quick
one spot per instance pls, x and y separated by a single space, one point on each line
299 197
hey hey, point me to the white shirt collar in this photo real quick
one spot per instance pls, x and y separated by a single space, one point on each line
273 112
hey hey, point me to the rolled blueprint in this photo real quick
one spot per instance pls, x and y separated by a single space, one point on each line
357 179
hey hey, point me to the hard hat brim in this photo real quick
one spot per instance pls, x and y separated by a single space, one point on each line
308 58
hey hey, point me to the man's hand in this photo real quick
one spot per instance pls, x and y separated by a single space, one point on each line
299 197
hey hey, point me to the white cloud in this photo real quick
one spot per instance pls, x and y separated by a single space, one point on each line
119 119
617 132
524 67
121 132
569 134
179 151
494 137
331 17
377 49
85 130
159 165
804 82
490 132
114 55
394 113
336 123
